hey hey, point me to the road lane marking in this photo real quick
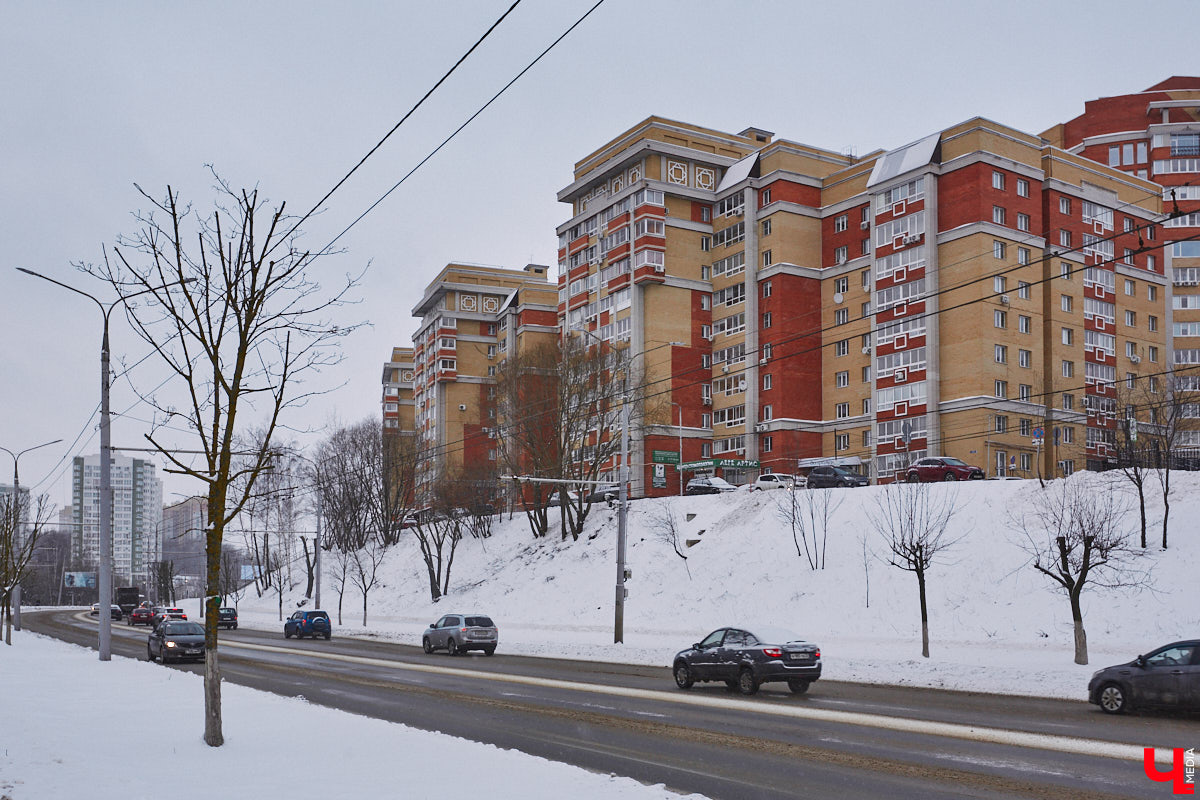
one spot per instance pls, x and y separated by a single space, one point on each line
977 733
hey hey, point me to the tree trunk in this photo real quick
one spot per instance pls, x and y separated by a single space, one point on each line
364 609
1166 504
1142 509
212 694
924 616
309 563
1081 653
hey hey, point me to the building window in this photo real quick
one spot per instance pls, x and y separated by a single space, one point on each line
1064 238
999 284
705 301
1023 255
1066 303
705 360
866 374
1022 188
1068 336
766 320
999 215
1001 354
766 227
841 316
998 180
866 309
1151 322
841 285
1065 271
841 347
766 382
1068 402
1000 318
1153 352
1024 392
1068 435
706 420
1025 358
1001 423
765 197
1152 294
1026 462
864 247
1022 222
491 329
1064 205
1023 290
706 449
841 222
842 441
705 243
866 279
1026 426
1127 257
706 213
1130 288
1068 369
766 289
842 379
841 254
842 411
866 405
492 371
866 437
1023 324
768 413
766 258
767 444
1001 388
1131 318
999 249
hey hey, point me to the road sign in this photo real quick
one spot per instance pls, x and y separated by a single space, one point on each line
1039 433
664 457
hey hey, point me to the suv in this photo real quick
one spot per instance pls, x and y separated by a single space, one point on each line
227 618
943 468
772 480
307 623
831 477
458 633
708 486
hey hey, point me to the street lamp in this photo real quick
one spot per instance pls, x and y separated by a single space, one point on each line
105 587
16 508
679 430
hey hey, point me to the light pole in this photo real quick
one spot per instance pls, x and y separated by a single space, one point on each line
16 509
105 587
679 430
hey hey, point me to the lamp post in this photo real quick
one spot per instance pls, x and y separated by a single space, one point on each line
679 430
105 587
16 510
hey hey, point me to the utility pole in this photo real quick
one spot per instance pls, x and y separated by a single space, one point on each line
623 499
317 554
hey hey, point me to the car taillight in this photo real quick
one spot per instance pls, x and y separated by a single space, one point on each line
463 630
817 654
773 652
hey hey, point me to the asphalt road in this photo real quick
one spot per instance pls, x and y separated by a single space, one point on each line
841 740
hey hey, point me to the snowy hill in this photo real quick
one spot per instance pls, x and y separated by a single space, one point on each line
996 624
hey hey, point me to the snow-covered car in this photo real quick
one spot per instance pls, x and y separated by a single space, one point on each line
708 486
773 480
746 658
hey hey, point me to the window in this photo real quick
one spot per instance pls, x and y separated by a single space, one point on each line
1001 388
706 213
492 371
866 309
1130 349
767 383
1000 318
866 279
1025 358
841 316
999 284
491 329
766 227
1024 392
842 441
1128 223
1153 351
842 410
1068 369
768 412
706 449
1068 336
1068 435
866 374
705 301
1151 323
1130 288
1066 303
864 247
1022 222
766 258
866 436
1023 290
1131 318
840 223
866 405
998 180
841 347
1064 238
999 249
842 379
1065 270
1114 155
1001 423
1001 354
841 254
1026 462
1064 205
1023 255
705 360
1025 426
1022 188
1127 256
841 285
1068 402
1152 294
767 444
1024 324
766 289
999 215
766 320
705 243
765 197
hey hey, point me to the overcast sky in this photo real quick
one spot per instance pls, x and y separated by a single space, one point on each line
289 96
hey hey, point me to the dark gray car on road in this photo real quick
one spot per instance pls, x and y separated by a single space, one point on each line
175 640
458 633
1168 677
745 659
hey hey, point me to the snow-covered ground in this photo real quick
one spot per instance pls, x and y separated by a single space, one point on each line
996 624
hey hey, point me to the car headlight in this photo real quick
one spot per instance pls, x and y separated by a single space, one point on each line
169 644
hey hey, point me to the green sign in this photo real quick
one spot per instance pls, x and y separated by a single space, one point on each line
714 463
665 457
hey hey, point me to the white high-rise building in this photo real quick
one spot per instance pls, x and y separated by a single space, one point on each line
137 517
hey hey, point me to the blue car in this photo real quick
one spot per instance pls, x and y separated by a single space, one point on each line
307 623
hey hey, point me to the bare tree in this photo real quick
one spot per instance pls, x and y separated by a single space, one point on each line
664 521
1134 453
1173 412
913 519
1074 535
807 513
340 575
164 573
364 569
22 521
232 314
232 585
438 531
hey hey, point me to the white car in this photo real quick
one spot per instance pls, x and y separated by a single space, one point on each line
773 480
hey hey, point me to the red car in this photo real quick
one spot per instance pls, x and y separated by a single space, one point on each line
943 468
140 616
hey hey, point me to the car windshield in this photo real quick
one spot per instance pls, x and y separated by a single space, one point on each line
228 611
773 634
183 629
720 483
954 462
479 622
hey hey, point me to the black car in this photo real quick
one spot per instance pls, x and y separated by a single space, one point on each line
174 640
744 660
307 623
832 477
1168 677
227 618
710 485
603 494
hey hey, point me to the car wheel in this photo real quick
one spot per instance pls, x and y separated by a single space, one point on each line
452 647
683 675
798 685
149 653
747 684
162 655
235 626
913 477
426 646
731 685
950 476
1112 699
287 634
490 650
327 636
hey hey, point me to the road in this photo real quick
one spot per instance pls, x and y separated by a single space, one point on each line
840 740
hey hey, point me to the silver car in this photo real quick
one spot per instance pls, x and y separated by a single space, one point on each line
458 633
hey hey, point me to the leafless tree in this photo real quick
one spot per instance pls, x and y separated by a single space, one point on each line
164 574
914 520
340 575
664 521
364 569
1134 452
22 521
1174 405
231 312
232 585
1074 534
807 513
438 531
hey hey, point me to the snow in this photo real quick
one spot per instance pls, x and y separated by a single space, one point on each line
132 729
996 626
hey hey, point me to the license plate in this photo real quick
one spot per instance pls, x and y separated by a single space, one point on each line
799 656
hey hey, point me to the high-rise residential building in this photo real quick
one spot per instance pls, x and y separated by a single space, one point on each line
398 391
137 516
471 318
184 538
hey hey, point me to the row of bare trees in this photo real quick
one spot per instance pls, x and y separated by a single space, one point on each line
22 521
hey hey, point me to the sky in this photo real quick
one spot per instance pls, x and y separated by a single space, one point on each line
289 96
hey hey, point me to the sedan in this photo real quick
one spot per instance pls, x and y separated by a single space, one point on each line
1169 677
140 616
708 486
458 633
746 659
174 641
832 477
943 468
603 494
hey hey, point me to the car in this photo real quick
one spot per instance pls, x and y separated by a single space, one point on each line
830 477
708 486
162 613
1168 677
773 480
746 658
556 499
307 623
176 640
603 494
95 612
458 633
140 616
942 468
227 618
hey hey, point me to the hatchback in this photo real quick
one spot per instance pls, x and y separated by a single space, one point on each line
771 480
227 618
458 633
1168 677
307 623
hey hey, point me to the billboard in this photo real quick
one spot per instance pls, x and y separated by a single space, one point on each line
79 580
249 572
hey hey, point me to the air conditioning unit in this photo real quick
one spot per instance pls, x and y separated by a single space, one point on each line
911 239
866 351
1005 299
1136 359
660 268
706 401
763 360
724 368
900 375
864 225
760 427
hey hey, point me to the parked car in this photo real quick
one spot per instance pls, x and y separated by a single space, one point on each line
832 477
307 623
175 640
556 499
1168 677
603 494
458 633
708 486
227 618
140 616
746 659
773 480
943 468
